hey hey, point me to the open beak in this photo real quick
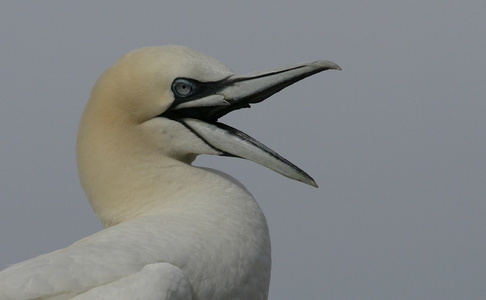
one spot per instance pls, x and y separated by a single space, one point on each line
200 110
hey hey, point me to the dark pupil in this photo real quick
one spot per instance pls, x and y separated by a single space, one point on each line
183 89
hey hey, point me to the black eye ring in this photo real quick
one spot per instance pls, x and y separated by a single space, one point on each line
183 87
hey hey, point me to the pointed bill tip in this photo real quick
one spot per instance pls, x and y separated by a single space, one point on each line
314 184
307 180
326 65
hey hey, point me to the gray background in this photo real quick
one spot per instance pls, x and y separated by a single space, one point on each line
396 141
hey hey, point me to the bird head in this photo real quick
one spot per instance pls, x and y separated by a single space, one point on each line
174 96
166 101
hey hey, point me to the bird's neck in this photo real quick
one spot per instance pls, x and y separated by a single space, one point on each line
123 182
125 174
119 190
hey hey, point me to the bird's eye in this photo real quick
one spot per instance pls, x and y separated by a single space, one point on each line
183 87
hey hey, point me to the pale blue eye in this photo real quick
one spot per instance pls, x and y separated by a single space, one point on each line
183 87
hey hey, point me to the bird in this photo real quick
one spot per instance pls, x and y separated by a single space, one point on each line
172 230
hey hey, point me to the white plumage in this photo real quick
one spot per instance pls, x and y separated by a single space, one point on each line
174 231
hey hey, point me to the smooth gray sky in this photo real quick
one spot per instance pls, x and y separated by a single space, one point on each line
396 141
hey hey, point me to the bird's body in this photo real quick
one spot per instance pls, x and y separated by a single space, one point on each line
219 226
174 231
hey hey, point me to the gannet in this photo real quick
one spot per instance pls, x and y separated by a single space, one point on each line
173 230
